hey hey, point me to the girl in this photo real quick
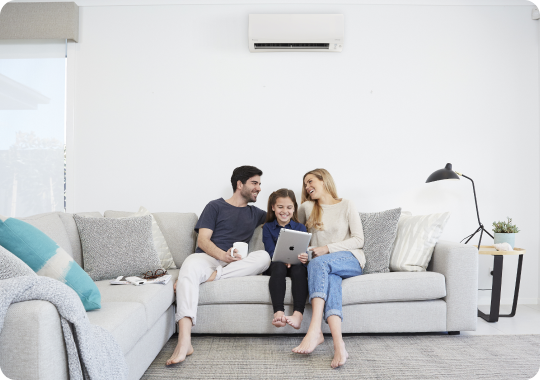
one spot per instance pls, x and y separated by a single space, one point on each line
338 239
282 214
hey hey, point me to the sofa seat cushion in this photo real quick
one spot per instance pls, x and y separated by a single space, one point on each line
155 298
376 287
126 321
393 286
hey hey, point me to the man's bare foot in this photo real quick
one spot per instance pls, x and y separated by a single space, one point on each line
279 319
309 343
174 286
295 320
340 354
180 353
212 276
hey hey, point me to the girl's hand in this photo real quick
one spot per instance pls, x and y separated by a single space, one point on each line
288 265
319 251
303 257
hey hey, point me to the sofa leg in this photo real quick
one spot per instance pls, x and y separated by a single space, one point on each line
453 332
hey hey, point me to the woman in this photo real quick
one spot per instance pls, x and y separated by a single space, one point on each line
337 240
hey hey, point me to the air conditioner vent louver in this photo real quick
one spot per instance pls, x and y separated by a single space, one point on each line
292 46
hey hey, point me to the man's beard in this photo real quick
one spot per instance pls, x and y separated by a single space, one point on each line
247 195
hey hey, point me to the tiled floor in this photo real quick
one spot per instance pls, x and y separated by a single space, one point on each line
526 321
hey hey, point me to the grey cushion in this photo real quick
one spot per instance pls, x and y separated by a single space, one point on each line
256 242
379 234
73 233
178 229
12 266
126 321
155 298
117 247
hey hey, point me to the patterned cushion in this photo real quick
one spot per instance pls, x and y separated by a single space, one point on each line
46 258
117 247
415 241
379 235
12 266
160 243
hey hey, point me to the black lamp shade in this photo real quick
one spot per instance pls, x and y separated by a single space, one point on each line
446 173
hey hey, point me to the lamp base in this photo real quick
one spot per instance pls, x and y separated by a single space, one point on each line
480 229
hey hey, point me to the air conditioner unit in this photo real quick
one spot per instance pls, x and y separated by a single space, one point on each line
296 32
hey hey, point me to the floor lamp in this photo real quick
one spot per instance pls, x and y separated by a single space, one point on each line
448 173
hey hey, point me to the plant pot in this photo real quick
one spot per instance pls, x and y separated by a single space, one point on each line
505 238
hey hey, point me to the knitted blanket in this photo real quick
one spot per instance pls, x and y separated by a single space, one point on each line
92 352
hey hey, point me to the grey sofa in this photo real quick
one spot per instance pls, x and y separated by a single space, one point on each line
142 318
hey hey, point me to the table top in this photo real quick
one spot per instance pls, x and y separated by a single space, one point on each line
490 250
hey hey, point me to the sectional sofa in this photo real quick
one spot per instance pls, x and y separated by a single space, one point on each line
142 318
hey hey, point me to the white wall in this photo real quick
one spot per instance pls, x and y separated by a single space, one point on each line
167 100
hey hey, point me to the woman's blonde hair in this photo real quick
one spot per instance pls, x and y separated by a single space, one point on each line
281 193
315 219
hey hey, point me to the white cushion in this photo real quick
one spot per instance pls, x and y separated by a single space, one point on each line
415 241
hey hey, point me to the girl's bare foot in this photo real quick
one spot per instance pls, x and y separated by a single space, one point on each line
279 319
182 350
295 320
340 354
310 342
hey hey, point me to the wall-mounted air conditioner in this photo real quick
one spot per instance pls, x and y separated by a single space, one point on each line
296 32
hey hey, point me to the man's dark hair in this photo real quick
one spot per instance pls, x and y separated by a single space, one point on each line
243 173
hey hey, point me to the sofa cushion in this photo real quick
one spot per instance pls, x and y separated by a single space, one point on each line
51 225
46 258
117 247
376 287
393 286
126 321
155 298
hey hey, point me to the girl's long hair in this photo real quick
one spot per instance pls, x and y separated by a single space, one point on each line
315 219
281 193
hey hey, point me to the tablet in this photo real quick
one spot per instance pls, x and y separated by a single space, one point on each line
290 244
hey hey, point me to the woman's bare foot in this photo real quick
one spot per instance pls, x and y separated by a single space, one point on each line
279 319
182 350
212 276
295 320
310 342
340 354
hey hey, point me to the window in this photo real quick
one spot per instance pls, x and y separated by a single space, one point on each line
32 127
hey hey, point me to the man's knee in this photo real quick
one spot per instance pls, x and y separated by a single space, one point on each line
261 258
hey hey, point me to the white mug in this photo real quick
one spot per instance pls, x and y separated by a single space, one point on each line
241 249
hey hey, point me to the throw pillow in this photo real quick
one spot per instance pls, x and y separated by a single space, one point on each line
379 235
11 266
415 241
46 258
160 243
117 247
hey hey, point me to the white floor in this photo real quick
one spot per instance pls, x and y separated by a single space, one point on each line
526 321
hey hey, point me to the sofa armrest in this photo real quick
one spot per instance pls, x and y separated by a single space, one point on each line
32 343
459 265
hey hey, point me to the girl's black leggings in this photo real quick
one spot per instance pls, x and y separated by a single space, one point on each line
298 274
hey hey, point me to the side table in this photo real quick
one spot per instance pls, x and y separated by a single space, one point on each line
497 280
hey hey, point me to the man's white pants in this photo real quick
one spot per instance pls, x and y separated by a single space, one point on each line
198 267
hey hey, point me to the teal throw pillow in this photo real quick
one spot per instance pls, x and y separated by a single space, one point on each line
46 258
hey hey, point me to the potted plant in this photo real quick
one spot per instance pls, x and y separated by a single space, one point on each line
505 232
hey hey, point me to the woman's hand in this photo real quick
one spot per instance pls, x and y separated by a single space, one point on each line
319 251
303 257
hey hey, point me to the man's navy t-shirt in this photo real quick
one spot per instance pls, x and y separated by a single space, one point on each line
230 224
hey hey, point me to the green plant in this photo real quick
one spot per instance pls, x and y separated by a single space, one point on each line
505 227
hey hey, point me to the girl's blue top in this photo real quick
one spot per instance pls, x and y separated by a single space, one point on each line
271 233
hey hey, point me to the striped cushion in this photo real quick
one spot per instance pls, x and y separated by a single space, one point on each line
46 258
415 241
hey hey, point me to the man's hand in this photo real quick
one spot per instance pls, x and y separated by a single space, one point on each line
303 257
319 251
228 258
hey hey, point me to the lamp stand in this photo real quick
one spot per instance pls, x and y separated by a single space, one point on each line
480 228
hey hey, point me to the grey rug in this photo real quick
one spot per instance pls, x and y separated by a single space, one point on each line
415 357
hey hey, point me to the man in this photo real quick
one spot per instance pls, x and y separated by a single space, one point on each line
222 223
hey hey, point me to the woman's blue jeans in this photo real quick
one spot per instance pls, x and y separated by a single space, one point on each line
325 274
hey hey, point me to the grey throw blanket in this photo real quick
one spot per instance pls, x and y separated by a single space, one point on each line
92 351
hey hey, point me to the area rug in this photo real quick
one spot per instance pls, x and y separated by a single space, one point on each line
415 357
